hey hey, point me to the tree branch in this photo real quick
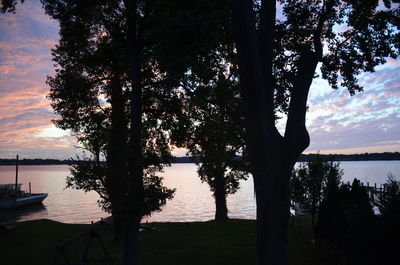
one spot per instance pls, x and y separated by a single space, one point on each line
253 84
318 32
266 40
296 135
326 9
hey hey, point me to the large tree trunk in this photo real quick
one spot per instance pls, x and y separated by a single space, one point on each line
271 155
131 242
221 210
134 199
273 202
313 212
117 170
118 229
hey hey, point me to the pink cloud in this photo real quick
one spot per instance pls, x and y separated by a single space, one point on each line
336 121
25 61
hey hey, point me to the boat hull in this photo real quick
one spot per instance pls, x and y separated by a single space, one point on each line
13 202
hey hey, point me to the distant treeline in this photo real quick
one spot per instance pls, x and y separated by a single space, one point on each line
353 157
303 158
36 161
330 157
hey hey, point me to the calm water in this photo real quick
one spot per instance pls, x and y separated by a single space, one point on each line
192 202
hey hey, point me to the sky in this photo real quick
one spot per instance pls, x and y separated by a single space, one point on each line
337 123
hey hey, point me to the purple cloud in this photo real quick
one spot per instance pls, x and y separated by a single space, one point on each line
337 122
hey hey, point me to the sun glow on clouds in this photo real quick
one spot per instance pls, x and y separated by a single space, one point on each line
25 60
53 132
338 123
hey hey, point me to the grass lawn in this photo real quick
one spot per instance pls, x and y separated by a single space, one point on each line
303 223
214 243
34 242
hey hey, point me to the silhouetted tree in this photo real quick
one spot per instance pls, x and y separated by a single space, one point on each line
389 201
346 218
9 5
203 72
311 181
279 57
216 138
388 204
298 190
360 221
102 68
331 222
314 183
88 175
145 55
277 60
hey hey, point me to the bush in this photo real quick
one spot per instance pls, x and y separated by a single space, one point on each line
389 219
309 183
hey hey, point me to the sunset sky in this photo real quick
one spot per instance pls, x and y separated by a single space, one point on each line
338 123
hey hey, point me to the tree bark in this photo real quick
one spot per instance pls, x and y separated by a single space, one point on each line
118 229
272 198
271 156
134 198
131 242
221 210
117 155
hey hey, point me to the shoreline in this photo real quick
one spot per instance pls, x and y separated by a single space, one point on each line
21 163
231 242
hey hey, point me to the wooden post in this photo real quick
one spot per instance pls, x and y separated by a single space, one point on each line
30 191
16 175
372 195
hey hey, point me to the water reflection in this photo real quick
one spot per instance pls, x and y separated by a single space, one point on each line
193 200
23 213
63 205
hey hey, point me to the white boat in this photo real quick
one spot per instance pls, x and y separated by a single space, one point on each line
12 196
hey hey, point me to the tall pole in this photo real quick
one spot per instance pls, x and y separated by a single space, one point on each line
16 175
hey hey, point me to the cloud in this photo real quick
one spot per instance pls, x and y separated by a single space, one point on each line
337 122
26 39
370 119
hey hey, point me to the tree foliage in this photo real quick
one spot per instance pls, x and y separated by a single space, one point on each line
389 201
277 60
331 222
216 136
197 60
9 5
350 37
312 181
91 83
388 204
278 55
88 175
359 220
346 216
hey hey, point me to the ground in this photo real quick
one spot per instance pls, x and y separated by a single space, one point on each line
219 243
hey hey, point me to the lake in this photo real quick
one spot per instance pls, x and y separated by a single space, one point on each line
193 200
